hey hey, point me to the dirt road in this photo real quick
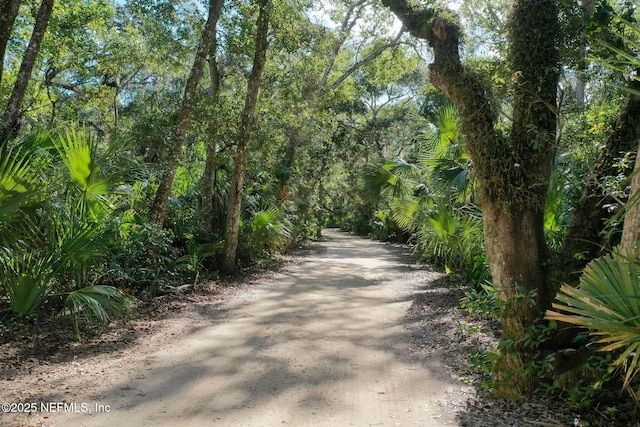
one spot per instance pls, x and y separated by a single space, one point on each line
324 344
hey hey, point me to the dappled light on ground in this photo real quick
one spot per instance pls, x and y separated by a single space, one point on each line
323 344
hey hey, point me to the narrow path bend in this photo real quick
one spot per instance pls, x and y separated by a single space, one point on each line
324 344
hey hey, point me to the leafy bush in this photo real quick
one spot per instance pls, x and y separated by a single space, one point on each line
483 302
429 197
94 303
143 260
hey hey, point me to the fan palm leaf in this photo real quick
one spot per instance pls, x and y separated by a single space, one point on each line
268 231
395 178
78 152
18 185
407 213
607 302
94 303
442 138
26 282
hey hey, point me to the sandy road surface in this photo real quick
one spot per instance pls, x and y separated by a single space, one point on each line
322 345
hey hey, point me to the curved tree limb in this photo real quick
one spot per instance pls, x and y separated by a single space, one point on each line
512 171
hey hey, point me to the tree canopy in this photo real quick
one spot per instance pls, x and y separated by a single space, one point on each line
144 142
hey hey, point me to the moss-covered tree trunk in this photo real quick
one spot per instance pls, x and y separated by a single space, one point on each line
631 231
584 239
512 169
232 230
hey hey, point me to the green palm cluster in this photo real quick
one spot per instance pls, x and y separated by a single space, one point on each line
266 232
56 201
431 196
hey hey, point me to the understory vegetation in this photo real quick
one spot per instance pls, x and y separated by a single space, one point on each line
148 144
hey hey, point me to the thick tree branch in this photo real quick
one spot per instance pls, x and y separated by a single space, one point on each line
465 89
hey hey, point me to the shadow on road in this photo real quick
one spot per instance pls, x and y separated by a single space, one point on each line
324 343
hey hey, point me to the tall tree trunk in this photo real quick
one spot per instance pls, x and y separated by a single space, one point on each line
161 201
12 113
244 139
8 13
584 240
208 175
321 196
631 230
513 171
206 196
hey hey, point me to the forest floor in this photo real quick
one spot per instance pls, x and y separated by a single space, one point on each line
346 331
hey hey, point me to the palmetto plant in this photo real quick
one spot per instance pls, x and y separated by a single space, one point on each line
94 303
53 217
607 302
429 197
267 232
18 185
87 185
444 155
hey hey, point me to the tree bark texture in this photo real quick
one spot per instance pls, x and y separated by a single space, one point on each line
244 140
513 170
584 239
207 189
12 113
8 13
161 201
631 230
208 176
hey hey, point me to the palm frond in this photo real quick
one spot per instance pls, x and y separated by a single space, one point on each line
395 178
444 221
18 185
269 231
607 302
441 136
78 151
94 303
26 280
407 213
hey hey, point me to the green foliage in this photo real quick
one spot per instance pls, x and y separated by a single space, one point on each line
94 303
607 302
78 152
454 239
57 239
581 394
18 185
429 198
26 282
144 260
482 302
266 233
